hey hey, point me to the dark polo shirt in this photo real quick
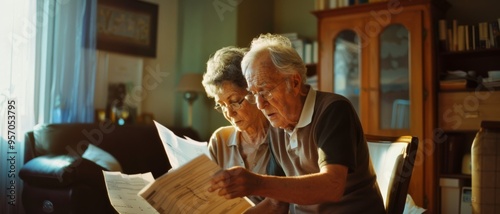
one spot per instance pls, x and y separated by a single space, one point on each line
329 132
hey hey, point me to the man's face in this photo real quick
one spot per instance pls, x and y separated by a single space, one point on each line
273 92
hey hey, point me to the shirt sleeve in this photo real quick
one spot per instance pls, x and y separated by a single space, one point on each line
336 134
212 148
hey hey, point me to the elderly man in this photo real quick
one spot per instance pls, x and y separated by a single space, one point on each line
320 143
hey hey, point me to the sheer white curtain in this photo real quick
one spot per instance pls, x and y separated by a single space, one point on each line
47 75
67 61
18 28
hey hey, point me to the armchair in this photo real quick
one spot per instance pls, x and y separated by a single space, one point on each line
64 163
393 159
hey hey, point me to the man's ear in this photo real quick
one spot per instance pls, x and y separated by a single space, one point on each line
299 82
296 80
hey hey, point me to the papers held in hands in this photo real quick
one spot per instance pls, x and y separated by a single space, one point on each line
184 189
123 189
179 150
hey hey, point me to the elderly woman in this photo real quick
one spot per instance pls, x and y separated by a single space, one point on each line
245 143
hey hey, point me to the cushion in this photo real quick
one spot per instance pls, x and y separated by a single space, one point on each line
60 139
385 158
102 158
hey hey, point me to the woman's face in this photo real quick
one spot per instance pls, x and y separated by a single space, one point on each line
245 116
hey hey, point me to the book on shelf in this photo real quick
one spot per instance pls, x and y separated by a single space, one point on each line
332 4
340 3
467 39
495 33
443 46
454 80
299 44
290 36
454 28
473 38
315 51
460 38
449 37
456 36
490 35
311 52
454 84
307 49
321 4
483 35
308 52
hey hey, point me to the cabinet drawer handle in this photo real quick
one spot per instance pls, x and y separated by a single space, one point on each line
471 114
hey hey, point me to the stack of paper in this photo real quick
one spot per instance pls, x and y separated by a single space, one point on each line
183 189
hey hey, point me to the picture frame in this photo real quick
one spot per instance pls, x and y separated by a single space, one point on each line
127 26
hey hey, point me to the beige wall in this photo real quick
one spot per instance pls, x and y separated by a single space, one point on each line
295 16
161 99
473 12
158 74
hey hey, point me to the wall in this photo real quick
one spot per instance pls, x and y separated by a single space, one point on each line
158 74
473 12
295 16
205 27
202 30
251 25
161 100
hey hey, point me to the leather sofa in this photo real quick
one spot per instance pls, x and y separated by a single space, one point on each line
63 163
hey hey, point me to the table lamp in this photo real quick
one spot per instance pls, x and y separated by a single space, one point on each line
190 85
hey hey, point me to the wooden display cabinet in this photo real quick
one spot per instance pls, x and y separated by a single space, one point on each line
381 57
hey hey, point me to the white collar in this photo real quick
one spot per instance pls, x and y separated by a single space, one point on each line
307 110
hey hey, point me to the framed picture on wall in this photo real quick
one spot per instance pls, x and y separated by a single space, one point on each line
127 26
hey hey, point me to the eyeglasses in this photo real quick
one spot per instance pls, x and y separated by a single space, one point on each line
234 106
266 95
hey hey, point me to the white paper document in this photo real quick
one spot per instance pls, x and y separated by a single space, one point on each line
185 190
180 150
123 189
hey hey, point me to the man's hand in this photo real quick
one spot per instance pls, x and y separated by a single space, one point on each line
234 182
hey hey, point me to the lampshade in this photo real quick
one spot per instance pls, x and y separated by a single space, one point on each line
191 82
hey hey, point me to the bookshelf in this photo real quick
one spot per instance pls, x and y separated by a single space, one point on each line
466 99
467 53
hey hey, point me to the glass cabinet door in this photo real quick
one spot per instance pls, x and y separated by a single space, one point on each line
346 76
394 78
395 103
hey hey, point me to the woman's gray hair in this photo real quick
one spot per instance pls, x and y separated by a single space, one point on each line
284 57
224 65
